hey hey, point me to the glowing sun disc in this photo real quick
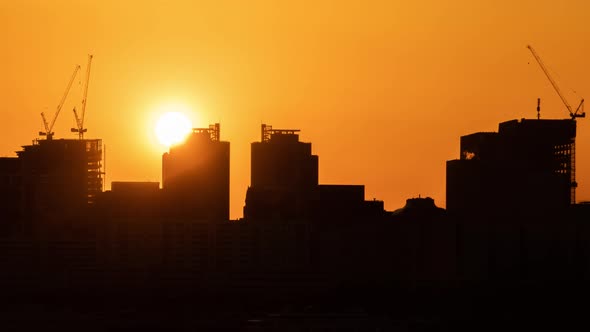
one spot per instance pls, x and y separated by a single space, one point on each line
172 128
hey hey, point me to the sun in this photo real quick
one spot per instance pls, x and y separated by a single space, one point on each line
172 128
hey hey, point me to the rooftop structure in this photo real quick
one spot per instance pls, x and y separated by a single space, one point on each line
213 132
267 133
281 160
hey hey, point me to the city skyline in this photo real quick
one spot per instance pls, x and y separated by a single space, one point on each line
510 223
366 165
393 85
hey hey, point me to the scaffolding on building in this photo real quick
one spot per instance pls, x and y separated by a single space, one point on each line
53 160
94 162
213 132
267 132
565 157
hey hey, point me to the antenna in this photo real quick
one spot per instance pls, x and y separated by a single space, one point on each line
538 108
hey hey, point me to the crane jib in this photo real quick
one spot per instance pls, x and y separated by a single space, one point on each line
573 114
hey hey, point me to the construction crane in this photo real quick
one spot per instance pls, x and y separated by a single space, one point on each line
80 119
49 126
573 114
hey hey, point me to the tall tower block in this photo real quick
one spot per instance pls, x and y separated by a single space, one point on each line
195 176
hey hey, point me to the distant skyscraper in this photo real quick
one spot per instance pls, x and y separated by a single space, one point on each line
527 167
195 176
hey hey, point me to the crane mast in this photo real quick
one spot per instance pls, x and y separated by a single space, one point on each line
573 114
80 119
49 126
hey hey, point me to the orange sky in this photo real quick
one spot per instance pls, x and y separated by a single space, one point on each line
383 89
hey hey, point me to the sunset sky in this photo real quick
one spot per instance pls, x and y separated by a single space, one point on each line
383 89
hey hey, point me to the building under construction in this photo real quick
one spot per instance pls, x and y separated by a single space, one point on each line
528 165
60 177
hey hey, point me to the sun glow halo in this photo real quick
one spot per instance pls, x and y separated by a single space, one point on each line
172 128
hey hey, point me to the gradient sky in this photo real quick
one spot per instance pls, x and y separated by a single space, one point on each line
383 89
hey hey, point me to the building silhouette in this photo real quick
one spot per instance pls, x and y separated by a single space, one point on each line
285 185
283 173
527 167
135 199
299 240
51 179
10 192
195 176
280 160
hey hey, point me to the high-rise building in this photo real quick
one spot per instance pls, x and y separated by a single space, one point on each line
195 176
280 160
283 175
527 167
60 178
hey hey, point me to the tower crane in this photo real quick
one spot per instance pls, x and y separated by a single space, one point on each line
80 119
49 126
573 115
580 108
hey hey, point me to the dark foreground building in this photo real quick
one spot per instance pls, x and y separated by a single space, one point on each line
10 192
512 197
